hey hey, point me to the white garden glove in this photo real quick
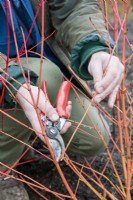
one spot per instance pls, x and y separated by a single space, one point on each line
28 106
107 72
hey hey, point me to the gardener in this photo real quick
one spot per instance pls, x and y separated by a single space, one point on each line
79 39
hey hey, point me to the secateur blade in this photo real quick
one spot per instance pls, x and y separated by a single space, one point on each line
55 139
57 148
53 128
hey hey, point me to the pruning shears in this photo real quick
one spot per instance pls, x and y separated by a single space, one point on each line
53 128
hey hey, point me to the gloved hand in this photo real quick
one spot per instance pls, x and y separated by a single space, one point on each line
28 105
107 72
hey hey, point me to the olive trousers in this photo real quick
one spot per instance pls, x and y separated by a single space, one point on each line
87 139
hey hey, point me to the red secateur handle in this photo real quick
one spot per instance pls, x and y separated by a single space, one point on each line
62 97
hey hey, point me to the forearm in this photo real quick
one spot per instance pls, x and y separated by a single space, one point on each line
80 29
72 20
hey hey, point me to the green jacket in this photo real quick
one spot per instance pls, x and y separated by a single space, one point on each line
79 31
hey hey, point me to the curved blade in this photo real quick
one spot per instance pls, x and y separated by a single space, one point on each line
57 147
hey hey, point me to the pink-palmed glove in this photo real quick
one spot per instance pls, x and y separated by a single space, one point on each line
107 72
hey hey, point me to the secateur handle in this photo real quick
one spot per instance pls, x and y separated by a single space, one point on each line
62 97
